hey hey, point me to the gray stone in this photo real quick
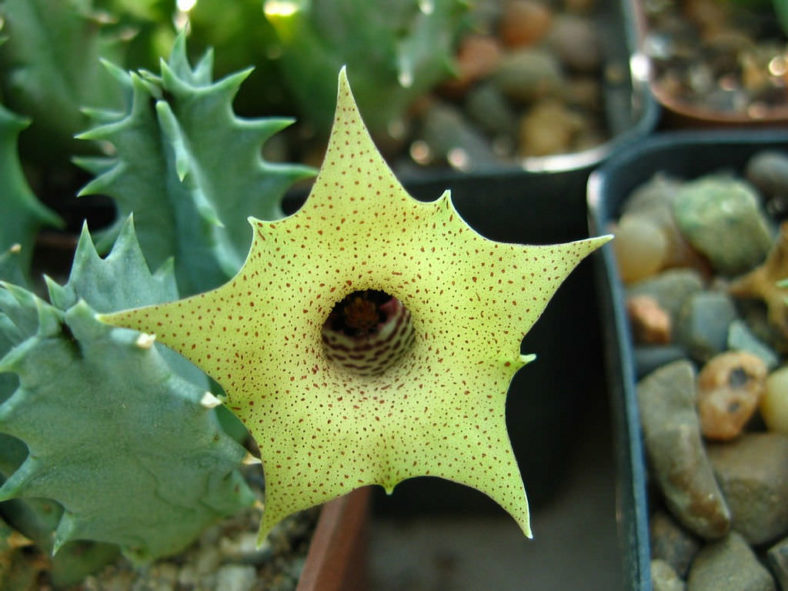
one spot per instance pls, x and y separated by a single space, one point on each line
741 338
753 475
671 543
242 548
450 137
728 565
670 288
161 576
236 577
703 324
575 40
664 578
651 357
722 218
768 171
777 557
490 111
671 433
527 75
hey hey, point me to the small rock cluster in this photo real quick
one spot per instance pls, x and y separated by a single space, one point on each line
726 57
703 262
528 84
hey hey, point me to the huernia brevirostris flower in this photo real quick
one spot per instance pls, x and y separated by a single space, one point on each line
369 337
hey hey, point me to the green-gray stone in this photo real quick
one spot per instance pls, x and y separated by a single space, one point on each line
670 288
729 565
702 325
671 543
664 578
777 557
722 218
741 338
753 475
526 75
672 438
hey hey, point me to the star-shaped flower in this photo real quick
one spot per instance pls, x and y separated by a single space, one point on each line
369 337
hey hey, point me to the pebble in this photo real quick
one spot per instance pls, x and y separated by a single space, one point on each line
671 543
477 58
768 172
242 548
584 92
721 217
672 439
161 576
671 288
527 75
649 322
236 577
449 137
547 128
489 110
703 323
575 40
664 578
525 22
741 338
208 559
654 199
640 247
730 386
774 404
651 357
753 475
728 565
777 557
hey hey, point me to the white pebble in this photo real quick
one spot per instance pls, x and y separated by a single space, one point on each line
236 577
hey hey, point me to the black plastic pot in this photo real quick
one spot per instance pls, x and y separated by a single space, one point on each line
630 113
682 155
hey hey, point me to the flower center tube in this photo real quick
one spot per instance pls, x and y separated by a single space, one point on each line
367 332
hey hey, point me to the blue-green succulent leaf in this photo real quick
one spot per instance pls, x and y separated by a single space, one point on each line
189 169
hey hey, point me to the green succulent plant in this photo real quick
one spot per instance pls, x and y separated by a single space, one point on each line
50 69
394 51
188 168
21 214
132 448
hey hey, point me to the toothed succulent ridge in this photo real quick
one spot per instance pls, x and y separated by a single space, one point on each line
21 214
189 169
115 433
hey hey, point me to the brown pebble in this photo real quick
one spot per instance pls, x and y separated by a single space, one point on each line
649 321
477 57
548 128
524 22
730 387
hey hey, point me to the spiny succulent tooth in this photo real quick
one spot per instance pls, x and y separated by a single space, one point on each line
208 400
145 340
250 460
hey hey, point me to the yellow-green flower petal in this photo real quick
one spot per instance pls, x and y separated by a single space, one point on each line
439 408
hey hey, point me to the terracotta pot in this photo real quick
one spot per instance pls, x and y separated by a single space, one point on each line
337 559
678 113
